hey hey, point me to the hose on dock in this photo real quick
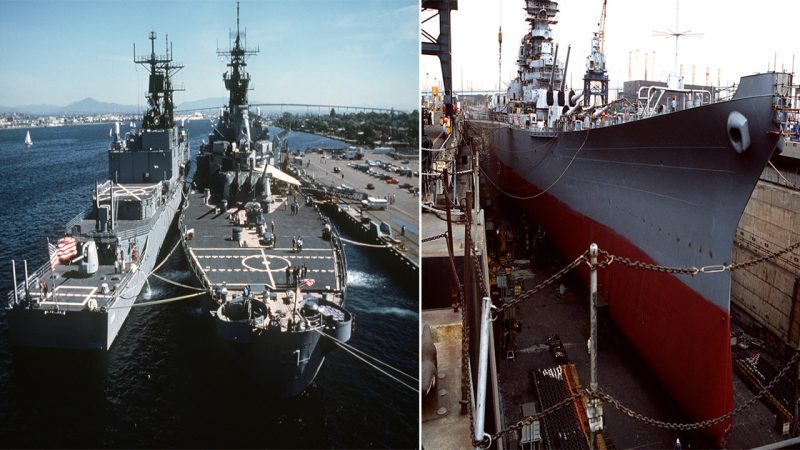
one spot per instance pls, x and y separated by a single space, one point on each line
357 353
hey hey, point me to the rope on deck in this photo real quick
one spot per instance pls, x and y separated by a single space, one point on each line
364 244
355 352
158 302
185 286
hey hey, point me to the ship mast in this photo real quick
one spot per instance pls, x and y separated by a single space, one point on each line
677 35
160 113
237 81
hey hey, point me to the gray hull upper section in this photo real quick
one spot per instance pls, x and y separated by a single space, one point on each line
672 185
84 329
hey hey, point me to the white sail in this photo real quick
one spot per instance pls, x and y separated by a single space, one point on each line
28 140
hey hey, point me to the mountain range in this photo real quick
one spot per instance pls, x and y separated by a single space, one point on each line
92 106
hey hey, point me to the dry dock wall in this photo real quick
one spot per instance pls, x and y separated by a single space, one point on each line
766 295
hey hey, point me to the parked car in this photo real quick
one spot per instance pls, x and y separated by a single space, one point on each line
336 169
392 181
370 186
405 186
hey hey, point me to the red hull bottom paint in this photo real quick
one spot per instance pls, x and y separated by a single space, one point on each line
684 338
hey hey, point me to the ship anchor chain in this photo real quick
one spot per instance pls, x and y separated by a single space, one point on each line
600 394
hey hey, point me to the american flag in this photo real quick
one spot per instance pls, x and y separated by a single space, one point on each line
306 282
67 248
52 250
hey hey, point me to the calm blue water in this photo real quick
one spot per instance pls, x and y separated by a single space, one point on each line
167 382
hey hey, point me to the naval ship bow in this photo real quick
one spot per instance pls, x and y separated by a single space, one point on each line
273 266
81 297
662 179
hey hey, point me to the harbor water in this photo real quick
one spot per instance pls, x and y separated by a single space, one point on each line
167 381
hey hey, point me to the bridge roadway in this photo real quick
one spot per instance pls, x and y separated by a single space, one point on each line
404 212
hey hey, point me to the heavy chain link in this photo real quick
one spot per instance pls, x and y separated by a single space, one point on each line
479 273
433 238
543 284
766 257
692 271
526 421
608 398
465 388
600 394
625 261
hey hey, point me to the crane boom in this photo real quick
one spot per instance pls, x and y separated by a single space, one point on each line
601 32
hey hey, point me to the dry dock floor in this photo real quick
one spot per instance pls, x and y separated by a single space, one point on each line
620 372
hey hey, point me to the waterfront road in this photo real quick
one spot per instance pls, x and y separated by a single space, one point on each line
402 213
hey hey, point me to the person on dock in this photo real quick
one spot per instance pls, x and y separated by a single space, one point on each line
402 230
272 226
287 274
299 244
294 243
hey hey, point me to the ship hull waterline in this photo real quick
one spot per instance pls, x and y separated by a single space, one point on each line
666 190
93 330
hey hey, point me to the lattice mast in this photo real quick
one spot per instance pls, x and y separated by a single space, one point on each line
160 112
237 81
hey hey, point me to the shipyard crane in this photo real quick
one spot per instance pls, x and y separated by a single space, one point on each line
601 28
595 81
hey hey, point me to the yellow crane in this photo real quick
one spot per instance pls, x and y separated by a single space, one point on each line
601 32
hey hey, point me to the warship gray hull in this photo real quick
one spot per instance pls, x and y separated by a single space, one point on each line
272 265
667 190
68 323
283 364
81 297
282 340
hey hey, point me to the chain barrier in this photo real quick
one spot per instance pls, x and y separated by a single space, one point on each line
433 238
608 398
766 257
542 285
487 441
692 271
600 394
479 273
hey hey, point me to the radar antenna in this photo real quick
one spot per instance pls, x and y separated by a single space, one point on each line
677 35
160 114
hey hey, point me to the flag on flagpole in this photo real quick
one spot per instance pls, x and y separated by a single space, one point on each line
306 282
52 250
67 248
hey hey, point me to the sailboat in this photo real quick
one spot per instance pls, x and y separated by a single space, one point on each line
28 140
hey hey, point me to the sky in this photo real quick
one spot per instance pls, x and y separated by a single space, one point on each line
739 37
351 52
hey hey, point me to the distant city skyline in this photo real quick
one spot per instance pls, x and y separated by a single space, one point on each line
352 52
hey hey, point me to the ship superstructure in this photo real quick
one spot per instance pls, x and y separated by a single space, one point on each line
80 299
273 266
